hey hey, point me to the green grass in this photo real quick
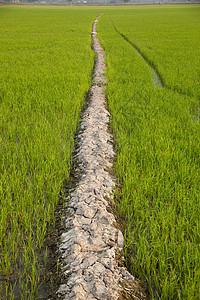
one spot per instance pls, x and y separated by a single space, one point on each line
157 142
45 68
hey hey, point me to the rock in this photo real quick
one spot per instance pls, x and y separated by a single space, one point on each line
100 290
120 239
89 261
89 213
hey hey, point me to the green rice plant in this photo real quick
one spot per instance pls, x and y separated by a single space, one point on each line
169 40
46 63
157 144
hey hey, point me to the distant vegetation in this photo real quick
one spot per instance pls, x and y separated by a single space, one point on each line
98 2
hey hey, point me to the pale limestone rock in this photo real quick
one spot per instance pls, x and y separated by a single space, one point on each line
120 239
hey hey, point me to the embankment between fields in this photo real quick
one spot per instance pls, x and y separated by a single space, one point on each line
91 243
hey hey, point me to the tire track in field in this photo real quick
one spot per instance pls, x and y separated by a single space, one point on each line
91 242
157 78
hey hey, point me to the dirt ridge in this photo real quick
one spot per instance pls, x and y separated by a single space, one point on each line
91 243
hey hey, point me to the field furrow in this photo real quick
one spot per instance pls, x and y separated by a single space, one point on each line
158 81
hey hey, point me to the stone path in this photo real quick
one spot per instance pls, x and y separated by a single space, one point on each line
88 247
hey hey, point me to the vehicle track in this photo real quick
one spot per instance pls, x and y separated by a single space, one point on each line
157 79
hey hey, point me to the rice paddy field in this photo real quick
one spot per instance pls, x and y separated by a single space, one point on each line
45 68
46 64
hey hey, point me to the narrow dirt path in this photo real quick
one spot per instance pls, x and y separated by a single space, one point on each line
91 242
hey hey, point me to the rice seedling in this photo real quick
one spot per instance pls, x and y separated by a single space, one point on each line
157 143
46 63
